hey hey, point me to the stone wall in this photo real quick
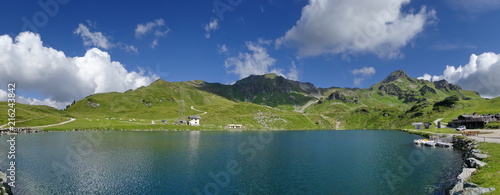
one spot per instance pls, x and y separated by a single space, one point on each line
472 161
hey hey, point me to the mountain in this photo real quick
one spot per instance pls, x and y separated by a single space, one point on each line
408 89
174 101
268 102
269 89
394 102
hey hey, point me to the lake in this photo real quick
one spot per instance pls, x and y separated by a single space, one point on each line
250 162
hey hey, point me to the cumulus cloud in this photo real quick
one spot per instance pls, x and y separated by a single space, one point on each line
3 95
157 28
257 62
428 77
93 39
480 74
355 26
212 26
59 78
364 72
98 39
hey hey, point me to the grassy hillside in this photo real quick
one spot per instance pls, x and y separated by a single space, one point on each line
265 102
399 100
30 115
171 102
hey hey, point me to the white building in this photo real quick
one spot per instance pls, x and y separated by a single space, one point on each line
235 126
194 120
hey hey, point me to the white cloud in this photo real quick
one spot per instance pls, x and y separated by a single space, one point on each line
127 48
480 74
428 77
93 39
365 71
212 26
143 29
358 82
34 101
294 73
355 26
157 28
3 95
257 62
98 39
222 49
59 78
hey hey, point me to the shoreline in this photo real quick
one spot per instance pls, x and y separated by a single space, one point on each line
4 187
471 159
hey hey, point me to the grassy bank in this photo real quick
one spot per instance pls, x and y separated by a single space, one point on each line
489 176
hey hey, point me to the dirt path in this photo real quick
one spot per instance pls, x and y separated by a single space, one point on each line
304 107
70 120
192 108
2 126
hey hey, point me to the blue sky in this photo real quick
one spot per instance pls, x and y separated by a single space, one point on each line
84 47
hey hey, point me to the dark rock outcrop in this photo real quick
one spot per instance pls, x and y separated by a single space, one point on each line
444 85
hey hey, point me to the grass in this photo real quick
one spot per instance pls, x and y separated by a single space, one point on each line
28 115
489 176
163 100
441 130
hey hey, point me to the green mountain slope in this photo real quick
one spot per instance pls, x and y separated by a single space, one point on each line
396 102
270 89
266 102
33 115
171 102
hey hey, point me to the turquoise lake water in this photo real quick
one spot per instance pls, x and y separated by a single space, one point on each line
277 162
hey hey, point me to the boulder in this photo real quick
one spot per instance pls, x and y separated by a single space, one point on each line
474 163
480 156
476 151
474 189
466 174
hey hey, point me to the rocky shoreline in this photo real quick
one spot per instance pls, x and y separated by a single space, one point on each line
4 187
19 130
472 161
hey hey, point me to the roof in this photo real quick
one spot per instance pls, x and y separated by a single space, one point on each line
194 117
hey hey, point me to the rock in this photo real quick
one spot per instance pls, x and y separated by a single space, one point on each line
458 188
3 177
476 151
480 156
474 163
464 176
466 173
474 189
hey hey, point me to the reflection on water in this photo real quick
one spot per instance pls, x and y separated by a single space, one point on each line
194 144
294 162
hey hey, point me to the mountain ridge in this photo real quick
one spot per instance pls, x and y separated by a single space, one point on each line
273 102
